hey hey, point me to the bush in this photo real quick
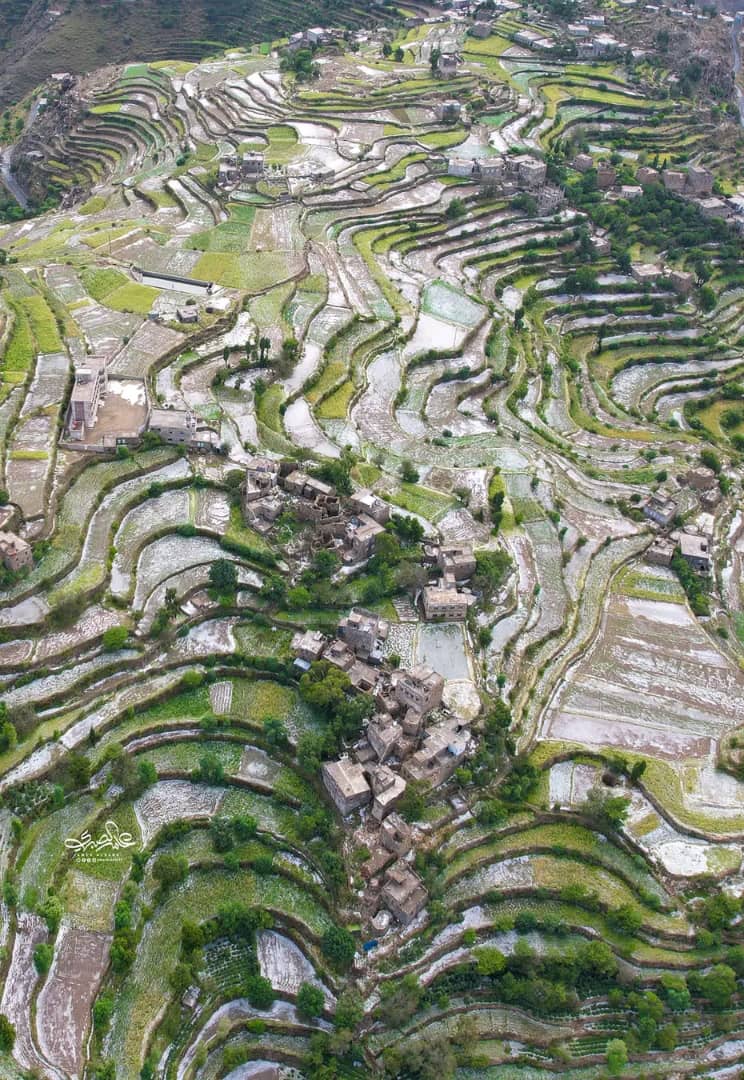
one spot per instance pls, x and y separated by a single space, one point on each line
7 1035
259 992
338 947
115 638
310 1000
43 955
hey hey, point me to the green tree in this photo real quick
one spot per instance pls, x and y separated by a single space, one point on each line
617 1056
103 1010
408 472
677 994
7 1035
707 298
8 736
627 919
223 576
338 947
275 731
310 1000
349 1010
170 869
489 960
719 985
259 992
43 955
607 811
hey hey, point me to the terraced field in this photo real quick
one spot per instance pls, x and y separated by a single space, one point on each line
180 897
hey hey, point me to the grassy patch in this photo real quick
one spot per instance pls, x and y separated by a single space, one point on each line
429 504
94 205
283 144
233 235
132 297
336 405
267 408
101 282
43 324
254 272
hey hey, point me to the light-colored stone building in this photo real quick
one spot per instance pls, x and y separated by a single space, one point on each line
346 784
443 601
364 632
419 689
15 552
403 892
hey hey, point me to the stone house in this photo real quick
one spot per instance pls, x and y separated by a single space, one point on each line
364 632
174 426
403 892
308 646
714 207
674 180
340 655
457 560
661 511
367 503
346 784
645 273
86 395
447 65
363 678
647 175
360 537
660 553
583 163
606 176
384 734
695 549
395 835
699 180
252 167
15 552
443 749
682 282
388 788
419 689
449 111
700 478
443 601
532 171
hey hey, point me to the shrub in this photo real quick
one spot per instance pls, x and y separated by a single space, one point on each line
338 947
310 1000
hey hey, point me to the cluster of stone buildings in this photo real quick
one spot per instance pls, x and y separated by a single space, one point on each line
312 38
695 544
695 182
594 46
447 598
350 526
104 413
249 168
410 737
511 174
682 281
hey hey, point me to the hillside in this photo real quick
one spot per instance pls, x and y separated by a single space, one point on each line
87 35
372 557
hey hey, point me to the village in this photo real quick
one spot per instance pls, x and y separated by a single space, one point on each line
372 626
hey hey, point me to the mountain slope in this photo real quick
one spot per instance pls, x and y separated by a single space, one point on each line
86 35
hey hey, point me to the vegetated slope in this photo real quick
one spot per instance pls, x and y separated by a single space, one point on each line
87 35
